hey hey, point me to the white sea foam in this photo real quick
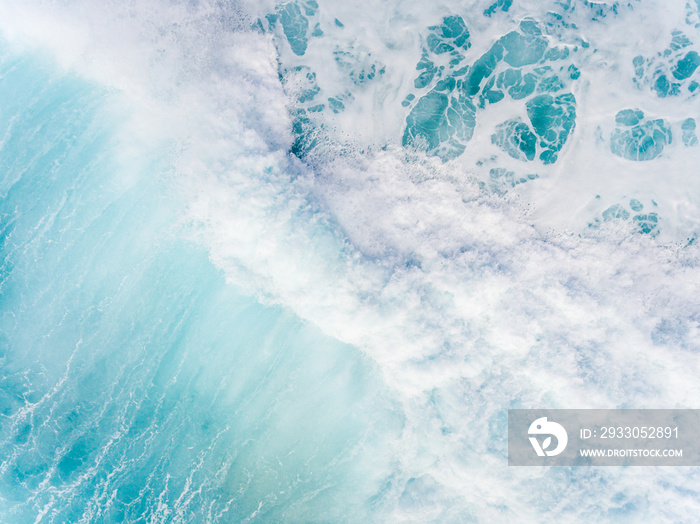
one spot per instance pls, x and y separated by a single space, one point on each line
470 302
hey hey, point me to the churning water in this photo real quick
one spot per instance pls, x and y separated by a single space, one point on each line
293 262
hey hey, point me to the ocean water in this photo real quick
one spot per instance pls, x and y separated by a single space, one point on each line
293 261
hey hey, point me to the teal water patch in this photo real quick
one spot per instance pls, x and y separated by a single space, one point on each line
526 48
291 23
565 13
615 212
516 138
295 26
302 81
645 222
637 138
686 66
407 101
636 205
498 5
553 119
672 71
135 385
451 38
548 83
517 85
574 72
664 88
520 65
629 117
336 105
441 121
689 137
306 132
294 19
502 180
358 65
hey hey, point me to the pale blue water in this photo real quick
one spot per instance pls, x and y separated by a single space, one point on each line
136 385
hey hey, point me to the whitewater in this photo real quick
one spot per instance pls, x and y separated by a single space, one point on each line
293 262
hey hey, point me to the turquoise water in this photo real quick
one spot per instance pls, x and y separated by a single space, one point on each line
293 261
135 384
